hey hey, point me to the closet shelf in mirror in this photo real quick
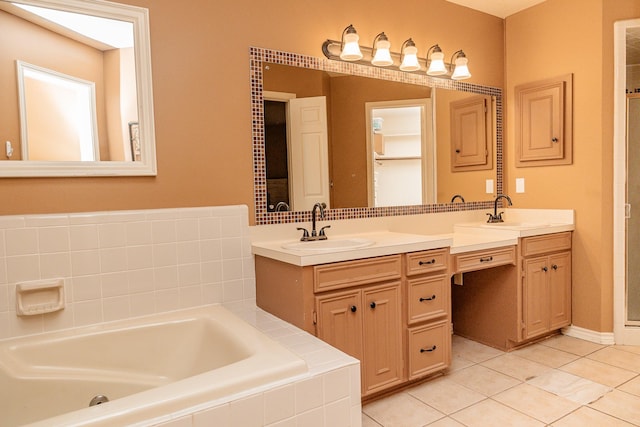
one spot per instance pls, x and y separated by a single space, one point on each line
398 157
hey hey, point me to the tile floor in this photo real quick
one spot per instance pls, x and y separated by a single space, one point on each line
561 382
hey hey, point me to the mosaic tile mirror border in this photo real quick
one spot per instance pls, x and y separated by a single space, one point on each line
263 216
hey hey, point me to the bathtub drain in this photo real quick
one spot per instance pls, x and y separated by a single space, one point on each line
97 400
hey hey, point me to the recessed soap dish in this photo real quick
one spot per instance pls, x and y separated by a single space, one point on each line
39 297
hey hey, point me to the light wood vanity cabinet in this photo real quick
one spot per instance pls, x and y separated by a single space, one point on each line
546 283
428 312
390 312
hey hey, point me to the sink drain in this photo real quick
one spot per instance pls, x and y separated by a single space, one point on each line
97 400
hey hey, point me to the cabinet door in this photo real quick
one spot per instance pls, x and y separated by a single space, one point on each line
382 362
340 321
469 129
536 298
560 290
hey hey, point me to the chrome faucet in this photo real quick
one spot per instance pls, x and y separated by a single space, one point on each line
314 234
457 196
497 217
281 206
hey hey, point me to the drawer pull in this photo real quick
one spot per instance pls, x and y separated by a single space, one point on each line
423 350
431 298
353 308
486 259
433 261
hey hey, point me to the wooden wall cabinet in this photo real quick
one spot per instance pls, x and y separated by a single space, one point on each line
543 121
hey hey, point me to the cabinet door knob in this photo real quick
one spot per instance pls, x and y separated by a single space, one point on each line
422 350
554 139
431 298
554 266
354 308
373 304
458 151
433 261
545 269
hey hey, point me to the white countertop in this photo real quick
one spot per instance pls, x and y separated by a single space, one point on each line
384 243
460 238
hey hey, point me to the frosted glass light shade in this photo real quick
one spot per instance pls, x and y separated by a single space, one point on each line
410 59
437 67
461 71
382 57
351 49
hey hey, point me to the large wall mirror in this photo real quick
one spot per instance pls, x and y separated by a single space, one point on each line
392 140
77 90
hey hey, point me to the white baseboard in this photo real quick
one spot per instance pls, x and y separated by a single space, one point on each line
605 338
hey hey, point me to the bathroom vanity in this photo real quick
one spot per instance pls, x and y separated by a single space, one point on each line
394 303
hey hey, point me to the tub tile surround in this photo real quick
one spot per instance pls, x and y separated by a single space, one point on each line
125 264
122 264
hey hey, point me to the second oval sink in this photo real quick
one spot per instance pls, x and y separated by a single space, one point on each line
329 245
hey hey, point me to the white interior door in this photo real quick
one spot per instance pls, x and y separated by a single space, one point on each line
308 152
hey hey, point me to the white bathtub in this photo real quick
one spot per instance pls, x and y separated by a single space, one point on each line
147 367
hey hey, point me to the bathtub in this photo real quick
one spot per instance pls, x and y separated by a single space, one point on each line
146 367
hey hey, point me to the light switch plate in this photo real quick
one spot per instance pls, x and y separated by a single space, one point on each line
489 186
519 185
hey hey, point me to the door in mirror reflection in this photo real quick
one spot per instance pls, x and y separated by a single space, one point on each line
297 162
401 165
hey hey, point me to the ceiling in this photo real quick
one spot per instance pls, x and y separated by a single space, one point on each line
499 8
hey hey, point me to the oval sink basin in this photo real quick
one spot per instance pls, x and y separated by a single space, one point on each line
515 225
329 245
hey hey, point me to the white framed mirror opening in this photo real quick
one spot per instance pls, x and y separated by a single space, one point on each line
51 48
343 201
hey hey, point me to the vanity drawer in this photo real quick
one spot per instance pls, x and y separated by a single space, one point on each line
428 298
354 273
426 261
545 243
429 349
479 260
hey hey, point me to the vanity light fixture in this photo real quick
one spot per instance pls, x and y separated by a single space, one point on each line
461 70
409 56
436 66
349 45
348 49
381 53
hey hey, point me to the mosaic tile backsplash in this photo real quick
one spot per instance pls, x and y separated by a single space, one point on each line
123 264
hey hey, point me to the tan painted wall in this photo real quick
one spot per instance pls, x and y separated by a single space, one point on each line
201 88
540 43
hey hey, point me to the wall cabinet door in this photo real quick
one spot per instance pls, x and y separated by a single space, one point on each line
382 337
340 321
547 293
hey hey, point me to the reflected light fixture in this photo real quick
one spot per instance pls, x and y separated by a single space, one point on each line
461 70
409 56
381 53
350 46
436 61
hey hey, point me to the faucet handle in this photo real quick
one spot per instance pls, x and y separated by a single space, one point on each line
321 234
305 233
